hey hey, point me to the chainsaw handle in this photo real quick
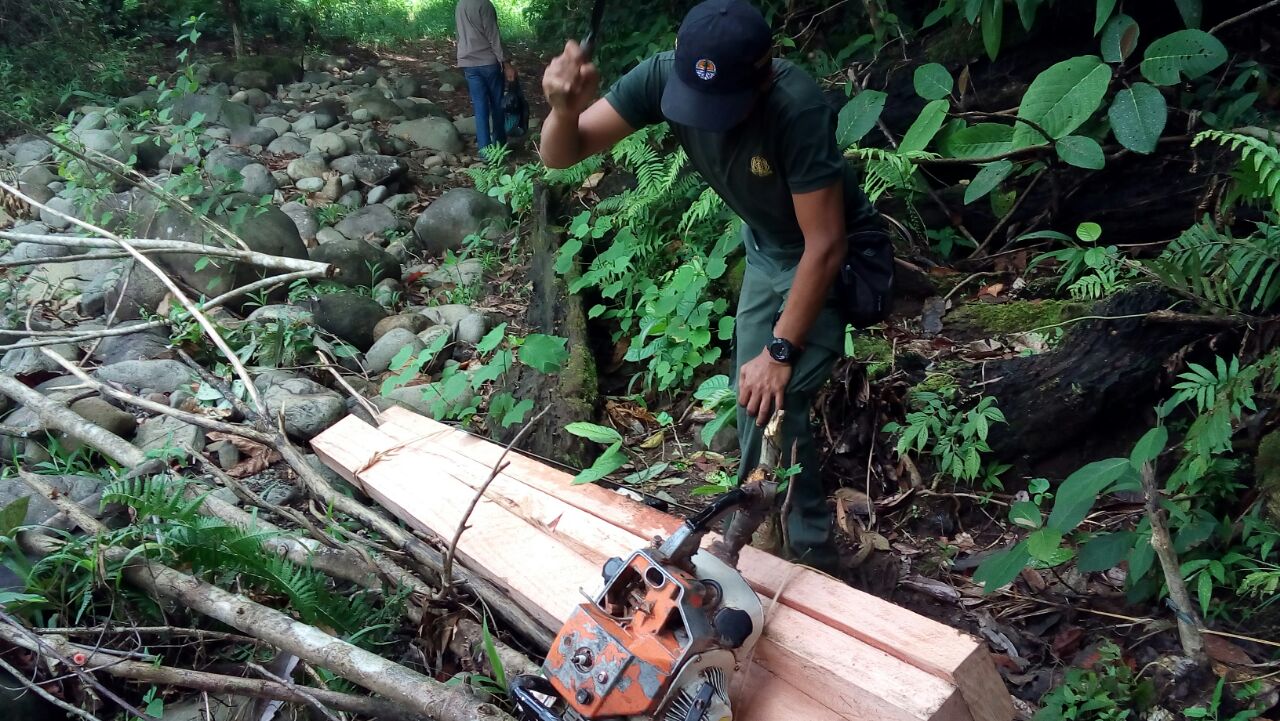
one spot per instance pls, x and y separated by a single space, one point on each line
528 707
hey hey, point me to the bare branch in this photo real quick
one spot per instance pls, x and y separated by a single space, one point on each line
37 690
177 247
59 417
1184 610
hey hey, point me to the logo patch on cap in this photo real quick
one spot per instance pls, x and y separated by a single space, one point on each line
705 69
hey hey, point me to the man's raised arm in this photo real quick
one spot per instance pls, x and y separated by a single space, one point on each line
581 123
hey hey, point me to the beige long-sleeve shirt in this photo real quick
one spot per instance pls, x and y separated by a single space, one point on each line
479 42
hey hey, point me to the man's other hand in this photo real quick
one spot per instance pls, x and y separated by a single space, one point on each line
762 386
571 83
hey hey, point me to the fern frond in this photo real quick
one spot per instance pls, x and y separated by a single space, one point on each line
1240 274
152 497
1258 172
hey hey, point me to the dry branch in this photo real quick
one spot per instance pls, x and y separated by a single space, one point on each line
1188 622
151 246
59 417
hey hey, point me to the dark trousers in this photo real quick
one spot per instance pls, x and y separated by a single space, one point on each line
485 83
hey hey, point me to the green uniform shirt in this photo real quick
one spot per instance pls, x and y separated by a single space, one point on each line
787 145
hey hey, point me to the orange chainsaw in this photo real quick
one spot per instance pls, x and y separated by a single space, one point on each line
663 638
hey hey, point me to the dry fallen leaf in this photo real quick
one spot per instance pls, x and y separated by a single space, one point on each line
992 290
258 458
654 441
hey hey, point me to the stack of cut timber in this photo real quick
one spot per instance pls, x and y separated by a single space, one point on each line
828 652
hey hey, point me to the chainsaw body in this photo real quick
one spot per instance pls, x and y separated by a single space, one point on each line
660 642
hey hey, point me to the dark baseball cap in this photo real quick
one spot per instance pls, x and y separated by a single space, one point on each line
723 56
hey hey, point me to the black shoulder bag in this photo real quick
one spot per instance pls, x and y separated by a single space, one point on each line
864 288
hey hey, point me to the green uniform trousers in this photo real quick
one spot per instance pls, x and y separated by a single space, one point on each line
765 285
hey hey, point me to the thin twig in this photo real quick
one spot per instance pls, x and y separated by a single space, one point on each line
37 690
311 700
446 573
1243 16
1185 612
1022 197
167 247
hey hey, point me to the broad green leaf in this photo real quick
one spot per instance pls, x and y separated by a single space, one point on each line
1043 235
1141 557
1002 202
492 339
859 116
647 474
987 179
1103 552
10 597
608 462
1204 590
993 27
933 82
977 141
1119 38
1191 12
1025 514
1149 447
971 10
1027 12
1186 53
544 353
1103 13
1061 99
1081 152
1076 496
999 569
1089 232
925 127
1138 115
14 515
593 432
1043 544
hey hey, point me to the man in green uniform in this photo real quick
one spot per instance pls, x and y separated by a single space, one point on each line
760 132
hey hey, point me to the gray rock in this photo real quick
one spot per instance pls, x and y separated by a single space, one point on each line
258 181
259 79
361 115
400 203
92 120
332 190
310 185
330 145
431 132
161 376
226 162
359 264
396 249
466 126
407 87
31 150
83 490
375 103
226 453
385 349
329 235
221 135
373 220
141 292
277 124
448 315
351 200
292 314
455 215
280 69
447 88
371 169
31 361
61 205
317 77
37 175
451 76
118 145
307 407
216 111
412 397
350 317
289 145
308 166
366 76
106 416
168 434
303 217
413 322
147 345
256 135
472 328
462 274
377 194
34 251
252 97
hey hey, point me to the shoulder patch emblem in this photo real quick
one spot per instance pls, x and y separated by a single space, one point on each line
760 167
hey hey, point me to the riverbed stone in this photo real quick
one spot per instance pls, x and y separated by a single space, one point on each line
386 348
307 407
375 220
371 169
455 215
432 132
161 376
350 317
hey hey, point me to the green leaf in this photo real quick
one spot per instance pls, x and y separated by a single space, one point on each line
495 660
492 339
1204 590
925 127
1141 557
987 179
593 432
14 515
9 597
1061 99
933 82
1119 38
1043 544
993 27
1002 202
1103 552
1138 115
999 569
544 353
977 141
608 462
1186 53
1027 12
1077 494
1103 13
859 116
1025 514
1081 152
647 474
1149 447
1191 12
1089 232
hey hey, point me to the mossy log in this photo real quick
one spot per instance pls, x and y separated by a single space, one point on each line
1100 376
573 392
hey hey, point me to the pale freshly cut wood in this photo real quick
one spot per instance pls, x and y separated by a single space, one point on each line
922 642
826 658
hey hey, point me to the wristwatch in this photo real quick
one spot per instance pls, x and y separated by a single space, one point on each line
782 350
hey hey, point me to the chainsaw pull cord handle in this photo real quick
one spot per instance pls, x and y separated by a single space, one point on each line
528 707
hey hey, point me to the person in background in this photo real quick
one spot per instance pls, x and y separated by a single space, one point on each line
514 106
480 56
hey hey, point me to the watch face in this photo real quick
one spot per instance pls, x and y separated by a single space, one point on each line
780 350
